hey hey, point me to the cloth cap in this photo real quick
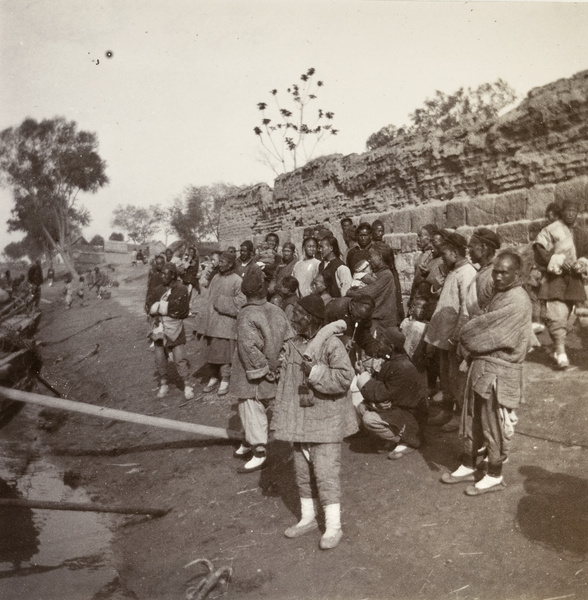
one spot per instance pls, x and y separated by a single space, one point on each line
228 256
487 237
253 283
313 304
454 239
392 337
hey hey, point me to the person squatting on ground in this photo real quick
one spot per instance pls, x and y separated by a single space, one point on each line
445 326
218 322
395 407
313 409
495 344
170 306
557 249
262 329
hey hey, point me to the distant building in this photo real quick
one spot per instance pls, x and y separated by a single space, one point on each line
156 247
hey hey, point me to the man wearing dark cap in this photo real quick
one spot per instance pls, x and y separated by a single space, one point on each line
169 305
495 343
218 323
482 246
314 411
446 323
557 249
262 329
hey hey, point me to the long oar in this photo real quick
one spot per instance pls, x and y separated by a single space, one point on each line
91 507
117 415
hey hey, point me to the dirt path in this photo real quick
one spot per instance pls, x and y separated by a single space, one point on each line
405 535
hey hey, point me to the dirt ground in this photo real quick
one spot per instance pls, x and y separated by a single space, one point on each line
405 534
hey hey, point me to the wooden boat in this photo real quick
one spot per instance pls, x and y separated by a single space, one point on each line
24 325
20 361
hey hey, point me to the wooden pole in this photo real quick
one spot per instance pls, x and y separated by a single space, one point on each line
117 415
92 507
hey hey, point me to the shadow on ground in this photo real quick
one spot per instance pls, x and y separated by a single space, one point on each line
554 511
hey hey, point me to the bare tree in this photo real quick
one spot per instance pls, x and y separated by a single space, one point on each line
289 131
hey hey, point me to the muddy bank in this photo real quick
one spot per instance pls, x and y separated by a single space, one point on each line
405 535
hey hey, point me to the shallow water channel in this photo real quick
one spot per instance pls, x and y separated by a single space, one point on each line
48 554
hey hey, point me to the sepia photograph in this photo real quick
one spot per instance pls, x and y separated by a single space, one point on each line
293 300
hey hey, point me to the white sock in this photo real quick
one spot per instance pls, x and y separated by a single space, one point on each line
308 511
332 518
462 471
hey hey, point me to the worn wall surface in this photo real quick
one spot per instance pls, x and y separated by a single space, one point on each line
500 174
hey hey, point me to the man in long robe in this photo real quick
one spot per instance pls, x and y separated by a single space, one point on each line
496 343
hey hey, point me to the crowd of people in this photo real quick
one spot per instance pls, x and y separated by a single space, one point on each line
316 345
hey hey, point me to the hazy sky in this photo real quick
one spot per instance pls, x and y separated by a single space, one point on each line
176 103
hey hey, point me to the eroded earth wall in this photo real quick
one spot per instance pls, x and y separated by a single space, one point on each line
500 174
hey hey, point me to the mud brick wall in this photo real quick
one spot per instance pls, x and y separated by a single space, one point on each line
500 174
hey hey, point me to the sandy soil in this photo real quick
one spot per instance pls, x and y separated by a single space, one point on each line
405 534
